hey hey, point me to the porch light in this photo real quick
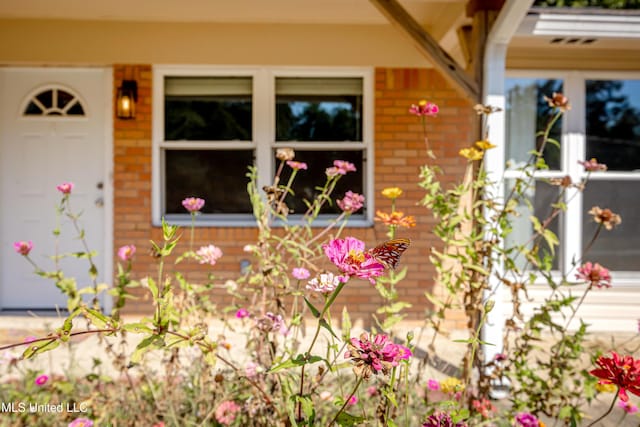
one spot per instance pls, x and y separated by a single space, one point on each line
126 99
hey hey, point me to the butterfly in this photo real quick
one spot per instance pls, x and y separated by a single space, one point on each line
389 252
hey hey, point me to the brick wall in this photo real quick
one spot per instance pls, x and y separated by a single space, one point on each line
399 153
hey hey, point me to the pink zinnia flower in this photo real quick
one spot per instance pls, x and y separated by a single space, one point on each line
424 108
65 187
351 258
326 284
332 171
297 165
242 313
352 400
126 252
433 385
372 391
251 369
41 380
81 422
300 273
593 166
595 274
344 167
29 339
209 254
226 412
628 407
22 247
351 202
193 204
373 354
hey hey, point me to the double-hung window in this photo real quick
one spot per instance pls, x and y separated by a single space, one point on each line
603 123
211 124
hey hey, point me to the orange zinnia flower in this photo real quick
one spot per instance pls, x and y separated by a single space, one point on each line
396 219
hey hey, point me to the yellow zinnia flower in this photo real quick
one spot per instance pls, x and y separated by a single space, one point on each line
484 145
606 388
392 192
471 153
451 385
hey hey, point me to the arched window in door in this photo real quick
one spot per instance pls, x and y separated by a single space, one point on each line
54 101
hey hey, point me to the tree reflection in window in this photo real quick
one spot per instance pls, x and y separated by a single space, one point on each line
54 102
613 123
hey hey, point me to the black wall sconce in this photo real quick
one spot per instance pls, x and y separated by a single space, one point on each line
126 100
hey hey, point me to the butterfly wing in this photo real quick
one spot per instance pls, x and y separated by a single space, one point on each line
389 252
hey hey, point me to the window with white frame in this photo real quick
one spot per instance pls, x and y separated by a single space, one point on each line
210 125
603 123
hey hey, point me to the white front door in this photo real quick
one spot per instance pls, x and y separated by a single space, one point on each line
52 130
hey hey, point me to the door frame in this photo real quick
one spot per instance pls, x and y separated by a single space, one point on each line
107 109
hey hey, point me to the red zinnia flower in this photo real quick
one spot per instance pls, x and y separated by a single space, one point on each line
622 371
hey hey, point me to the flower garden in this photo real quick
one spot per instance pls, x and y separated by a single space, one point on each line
287 353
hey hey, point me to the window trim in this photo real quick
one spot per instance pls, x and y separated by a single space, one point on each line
264 134
573 148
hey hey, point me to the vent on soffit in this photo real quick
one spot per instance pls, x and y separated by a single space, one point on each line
572 40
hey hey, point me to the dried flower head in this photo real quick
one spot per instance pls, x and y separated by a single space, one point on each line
486 109
605 217
374 354
559 101
442 419
564 182
593 165
285 154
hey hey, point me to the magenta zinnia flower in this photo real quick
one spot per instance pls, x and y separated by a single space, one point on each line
628 407
126 252
351 202
81 422
621 371
193 204
41 380
22 247
242 313
595 274
65 187
526 419
350 257
442 419
300 273
209 254
424 108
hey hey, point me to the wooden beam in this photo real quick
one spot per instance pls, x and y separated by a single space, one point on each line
430 48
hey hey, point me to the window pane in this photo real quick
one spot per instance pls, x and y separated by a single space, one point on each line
217 176
306 181
541 196
617 249
319 109
528 113
208 108
613 123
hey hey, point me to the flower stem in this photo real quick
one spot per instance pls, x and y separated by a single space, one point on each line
613 402
346 401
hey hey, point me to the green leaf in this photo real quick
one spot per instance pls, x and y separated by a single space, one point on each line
137 328
298 361
347 420
150 343
346 324
326 325
98 319
314 310
40 347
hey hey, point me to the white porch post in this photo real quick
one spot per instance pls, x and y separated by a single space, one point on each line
505 26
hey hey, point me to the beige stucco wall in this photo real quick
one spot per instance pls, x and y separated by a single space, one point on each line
64 42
